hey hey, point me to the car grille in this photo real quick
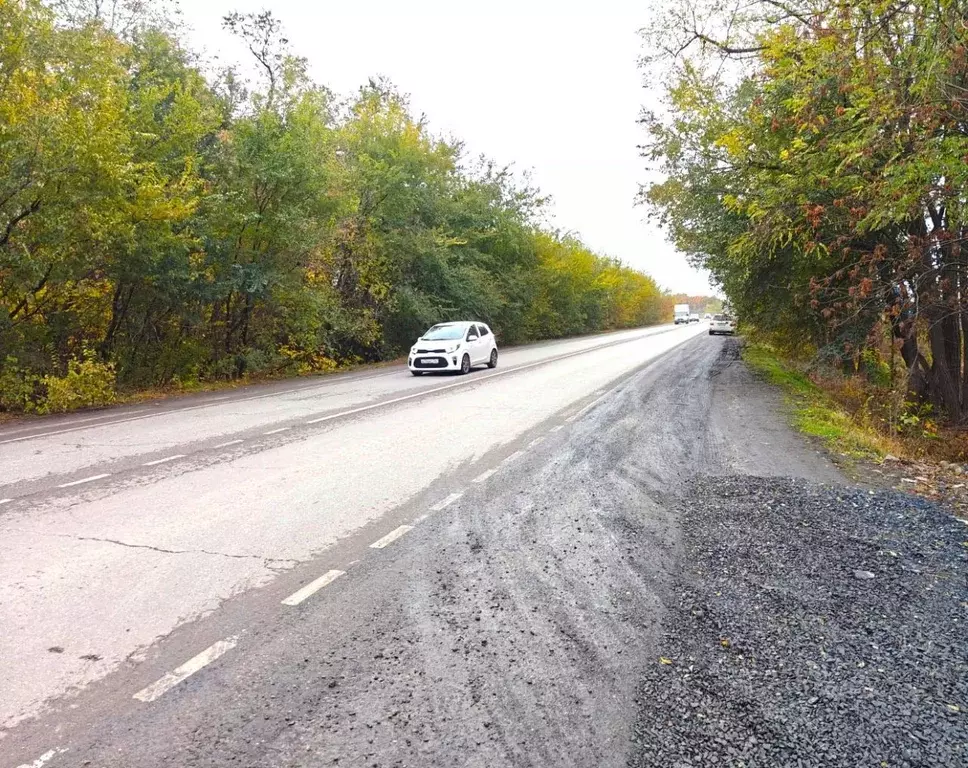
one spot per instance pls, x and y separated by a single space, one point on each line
430 362
430 351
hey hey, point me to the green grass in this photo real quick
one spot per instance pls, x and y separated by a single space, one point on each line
815 413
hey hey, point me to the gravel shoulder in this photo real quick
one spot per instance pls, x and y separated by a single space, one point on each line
810 626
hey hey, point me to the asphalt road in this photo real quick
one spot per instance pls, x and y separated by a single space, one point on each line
136 538
572 561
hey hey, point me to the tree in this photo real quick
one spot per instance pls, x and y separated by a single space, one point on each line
823 181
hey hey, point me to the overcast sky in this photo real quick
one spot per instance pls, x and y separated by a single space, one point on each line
548 85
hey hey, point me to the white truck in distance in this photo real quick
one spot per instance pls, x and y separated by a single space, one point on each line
680 313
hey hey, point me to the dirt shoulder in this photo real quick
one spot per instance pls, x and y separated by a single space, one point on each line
813 620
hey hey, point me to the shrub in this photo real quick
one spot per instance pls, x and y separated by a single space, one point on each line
88 383
18 387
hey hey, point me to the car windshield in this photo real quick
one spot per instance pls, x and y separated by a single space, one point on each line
721 317
444 333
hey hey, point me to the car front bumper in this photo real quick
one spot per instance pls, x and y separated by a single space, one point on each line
449 361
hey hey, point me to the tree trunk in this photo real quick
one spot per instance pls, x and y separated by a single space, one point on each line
917 365
945 382
964 350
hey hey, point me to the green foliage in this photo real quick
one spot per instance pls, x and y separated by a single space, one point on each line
88 383
18 387
189 230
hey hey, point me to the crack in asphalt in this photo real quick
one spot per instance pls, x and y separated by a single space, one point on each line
269 562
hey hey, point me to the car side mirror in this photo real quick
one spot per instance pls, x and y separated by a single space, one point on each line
472 338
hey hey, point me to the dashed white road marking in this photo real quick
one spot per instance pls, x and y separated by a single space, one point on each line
513 457
277 431
391 537
5 501
557 429
536 441
226 445
443 503
423 517
217 399
313 587
484 476
85 480
161 687
43 759
165 460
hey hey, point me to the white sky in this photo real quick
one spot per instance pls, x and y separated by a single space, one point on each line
548 85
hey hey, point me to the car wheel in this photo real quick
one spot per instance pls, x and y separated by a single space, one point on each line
711 333
465 365
492 362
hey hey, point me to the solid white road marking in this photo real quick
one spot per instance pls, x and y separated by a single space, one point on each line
536 441
513 457
557 429
391 537
165 460
44 758
484 476
226 445
85 480
277 431
313 587
72 423
477 379
5 501
189 668
443 503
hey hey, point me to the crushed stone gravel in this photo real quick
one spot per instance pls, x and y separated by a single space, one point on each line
776 652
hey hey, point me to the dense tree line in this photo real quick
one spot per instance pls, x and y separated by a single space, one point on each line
158 225
815 155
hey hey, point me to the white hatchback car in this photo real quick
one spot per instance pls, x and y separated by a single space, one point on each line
722 324
453 347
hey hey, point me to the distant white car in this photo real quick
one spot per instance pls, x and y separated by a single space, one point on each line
722 324
453 347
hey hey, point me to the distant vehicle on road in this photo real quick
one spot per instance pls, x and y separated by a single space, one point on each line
694 317
680 313
708 317
453 347
722 324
